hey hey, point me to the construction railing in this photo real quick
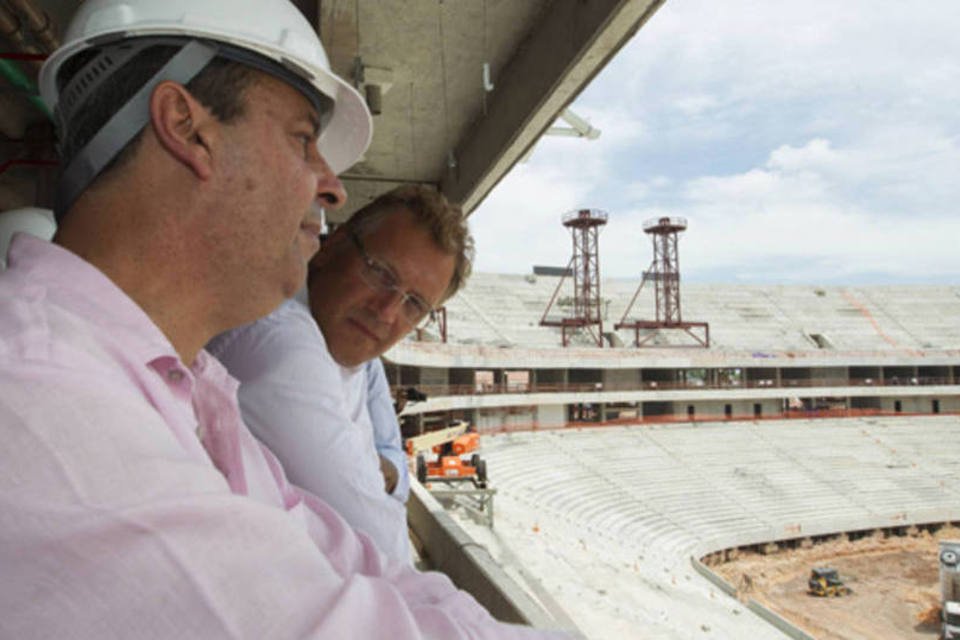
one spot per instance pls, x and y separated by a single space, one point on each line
649 420
433 390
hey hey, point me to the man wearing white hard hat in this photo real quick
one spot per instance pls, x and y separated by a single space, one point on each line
198 140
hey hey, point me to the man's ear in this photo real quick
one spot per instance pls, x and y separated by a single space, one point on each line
180 124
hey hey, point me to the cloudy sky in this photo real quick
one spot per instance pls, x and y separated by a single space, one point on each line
804 142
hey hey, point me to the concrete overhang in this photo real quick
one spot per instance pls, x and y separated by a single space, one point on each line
566 48
465 88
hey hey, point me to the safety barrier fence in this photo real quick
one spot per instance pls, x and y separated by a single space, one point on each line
433 390
445 546
711 418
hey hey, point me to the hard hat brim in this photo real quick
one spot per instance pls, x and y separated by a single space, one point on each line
348 134
345 137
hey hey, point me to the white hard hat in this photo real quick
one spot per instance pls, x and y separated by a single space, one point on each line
275 30
32 220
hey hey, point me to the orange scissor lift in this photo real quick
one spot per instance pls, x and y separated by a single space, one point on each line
447 448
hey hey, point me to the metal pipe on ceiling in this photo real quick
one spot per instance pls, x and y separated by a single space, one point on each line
24 57
39 22
26 162
12 120
13 116
12 29
19 79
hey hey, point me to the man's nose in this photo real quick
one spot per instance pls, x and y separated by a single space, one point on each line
330 191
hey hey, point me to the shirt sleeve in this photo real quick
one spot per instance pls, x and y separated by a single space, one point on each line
386 429
291 396
112 530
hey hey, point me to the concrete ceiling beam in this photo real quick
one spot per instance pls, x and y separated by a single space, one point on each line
570 45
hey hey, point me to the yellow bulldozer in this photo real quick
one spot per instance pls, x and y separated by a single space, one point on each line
824 582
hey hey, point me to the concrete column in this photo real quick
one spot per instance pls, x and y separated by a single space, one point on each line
551 415
499 380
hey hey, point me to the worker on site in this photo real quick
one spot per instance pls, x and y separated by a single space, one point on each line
198 138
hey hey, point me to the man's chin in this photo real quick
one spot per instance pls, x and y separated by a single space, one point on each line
296 280
251 310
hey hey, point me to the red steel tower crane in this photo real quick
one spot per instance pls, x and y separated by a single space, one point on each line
664 271
584 225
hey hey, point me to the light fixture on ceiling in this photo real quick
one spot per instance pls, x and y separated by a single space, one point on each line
374 81
374 97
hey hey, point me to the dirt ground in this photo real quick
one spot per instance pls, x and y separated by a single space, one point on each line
895 582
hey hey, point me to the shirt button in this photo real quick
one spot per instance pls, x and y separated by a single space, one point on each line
175 376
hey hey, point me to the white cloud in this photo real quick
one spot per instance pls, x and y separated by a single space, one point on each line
519 223
695 105
814 141
792 221
817 154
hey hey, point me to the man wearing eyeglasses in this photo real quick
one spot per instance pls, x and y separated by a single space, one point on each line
312 388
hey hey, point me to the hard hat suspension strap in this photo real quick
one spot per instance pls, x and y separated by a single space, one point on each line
126 123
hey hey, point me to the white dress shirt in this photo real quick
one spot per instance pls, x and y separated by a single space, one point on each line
386 429
312 413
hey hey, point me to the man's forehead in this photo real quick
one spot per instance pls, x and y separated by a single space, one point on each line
394 238
274 92
398 220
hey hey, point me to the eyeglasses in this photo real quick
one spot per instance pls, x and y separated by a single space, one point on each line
380 278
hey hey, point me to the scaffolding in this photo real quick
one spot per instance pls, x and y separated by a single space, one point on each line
584 265
664 272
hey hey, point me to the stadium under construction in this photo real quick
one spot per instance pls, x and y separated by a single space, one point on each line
637 433
625 467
